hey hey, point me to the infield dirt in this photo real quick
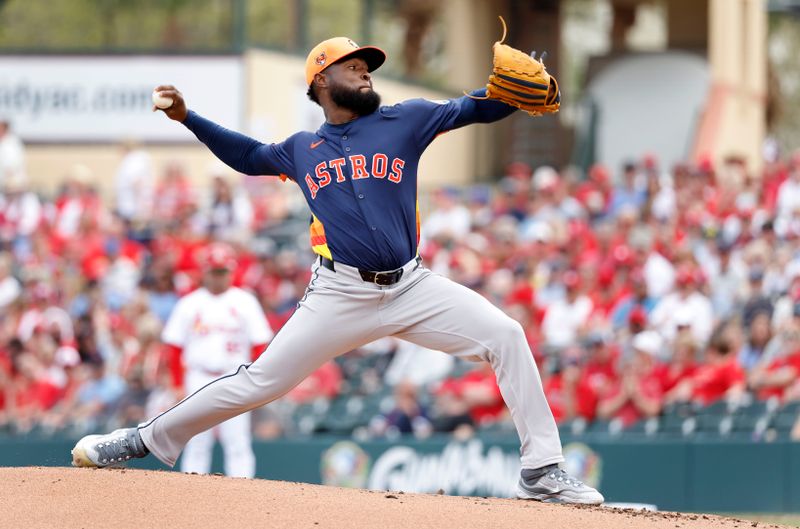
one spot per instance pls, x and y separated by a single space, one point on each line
58 497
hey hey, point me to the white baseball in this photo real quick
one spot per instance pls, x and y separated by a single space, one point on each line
160 101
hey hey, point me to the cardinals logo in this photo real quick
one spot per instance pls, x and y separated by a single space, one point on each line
321 58
198 327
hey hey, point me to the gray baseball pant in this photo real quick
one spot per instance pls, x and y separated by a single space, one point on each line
341 312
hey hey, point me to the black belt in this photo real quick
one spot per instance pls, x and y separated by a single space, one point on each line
383 279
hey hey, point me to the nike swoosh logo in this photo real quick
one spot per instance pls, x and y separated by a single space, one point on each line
315 144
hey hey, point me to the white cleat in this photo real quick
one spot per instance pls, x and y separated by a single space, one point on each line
114 449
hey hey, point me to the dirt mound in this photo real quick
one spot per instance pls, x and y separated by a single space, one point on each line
50 497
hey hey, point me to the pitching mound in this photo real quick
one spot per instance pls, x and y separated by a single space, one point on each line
50 497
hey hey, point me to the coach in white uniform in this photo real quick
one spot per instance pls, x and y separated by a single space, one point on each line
217 328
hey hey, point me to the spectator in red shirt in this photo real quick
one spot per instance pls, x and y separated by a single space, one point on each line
600 369
524 314
681 366
595 192
637 394
66 212
31 393
568 394
5 385
779 377
472 399
719 376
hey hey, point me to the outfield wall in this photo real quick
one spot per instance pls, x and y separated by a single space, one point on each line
708 476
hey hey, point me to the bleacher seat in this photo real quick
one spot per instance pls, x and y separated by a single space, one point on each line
576 426
677 419
790 408
751 423
785 421
715 425
649 427
597 426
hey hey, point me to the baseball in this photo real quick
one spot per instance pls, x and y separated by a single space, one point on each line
160 101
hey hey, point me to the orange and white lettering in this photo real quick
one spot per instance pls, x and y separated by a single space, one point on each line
397 170
322 173
380 163
337 165
359 163
312 186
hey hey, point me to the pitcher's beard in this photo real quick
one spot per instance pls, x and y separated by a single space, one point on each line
362 102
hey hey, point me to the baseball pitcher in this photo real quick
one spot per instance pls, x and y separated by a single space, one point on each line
358 174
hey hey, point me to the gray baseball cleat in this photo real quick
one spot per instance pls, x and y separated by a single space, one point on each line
109 450
555 486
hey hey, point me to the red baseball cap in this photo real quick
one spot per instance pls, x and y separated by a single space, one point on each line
650 161
329 51
220 256
637 315
599 173
684 275
705 164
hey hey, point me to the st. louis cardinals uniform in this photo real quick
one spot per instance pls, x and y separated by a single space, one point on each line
216 334
359 179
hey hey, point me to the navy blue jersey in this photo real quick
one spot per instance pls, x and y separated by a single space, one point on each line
359 178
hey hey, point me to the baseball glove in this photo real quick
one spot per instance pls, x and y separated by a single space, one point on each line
521 80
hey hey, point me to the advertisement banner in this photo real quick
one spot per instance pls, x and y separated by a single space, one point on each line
471 468
82 99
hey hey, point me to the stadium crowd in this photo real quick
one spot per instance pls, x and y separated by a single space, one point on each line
639 291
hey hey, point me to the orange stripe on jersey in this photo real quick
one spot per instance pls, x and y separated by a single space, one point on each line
319 243
418 226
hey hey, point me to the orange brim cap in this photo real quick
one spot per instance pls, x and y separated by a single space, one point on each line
329 51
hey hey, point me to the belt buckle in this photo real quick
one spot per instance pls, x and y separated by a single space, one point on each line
385 279
378 279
